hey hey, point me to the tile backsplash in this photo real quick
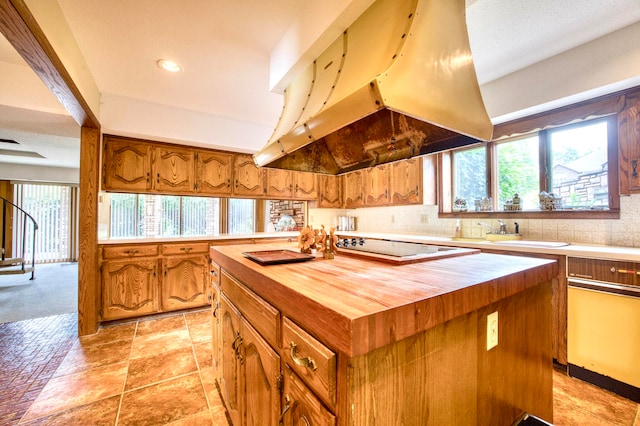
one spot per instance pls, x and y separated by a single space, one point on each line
423 220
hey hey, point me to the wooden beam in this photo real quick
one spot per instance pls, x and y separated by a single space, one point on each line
88 276
20 28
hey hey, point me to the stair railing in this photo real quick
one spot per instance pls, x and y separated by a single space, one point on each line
25 216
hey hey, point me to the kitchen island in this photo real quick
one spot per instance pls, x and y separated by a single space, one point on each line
354 341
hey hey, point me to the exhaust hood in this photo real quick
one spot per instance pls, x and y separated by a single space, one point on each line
398 83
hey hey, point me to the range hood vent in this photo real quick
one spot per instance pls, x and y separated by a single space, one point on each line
399 82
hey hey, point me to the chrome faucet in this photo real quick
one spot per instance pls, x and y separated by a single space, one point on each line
492 230
503 227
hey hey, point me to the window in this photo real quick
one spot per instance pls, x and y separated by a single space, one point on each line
470 174
567 164
143 215
241 216
518 171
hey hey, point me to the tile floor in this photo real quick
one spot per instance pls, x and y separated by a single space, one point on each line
159 371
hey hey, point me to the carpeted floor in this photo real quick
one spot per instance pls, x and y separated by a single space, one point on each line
54 291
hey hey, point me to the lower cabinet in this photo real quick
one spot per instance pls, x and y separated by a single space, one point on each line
301 407
257 370
184 282
129 289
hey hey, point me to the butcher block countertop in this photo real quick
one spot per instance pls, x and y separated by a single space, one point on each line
355 305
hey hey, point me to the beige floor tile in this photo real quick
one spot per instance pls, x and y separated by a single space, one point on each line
160 366
203 354
164 402
203 418
74 390
112 333
161 325
86 355
160 342
99 413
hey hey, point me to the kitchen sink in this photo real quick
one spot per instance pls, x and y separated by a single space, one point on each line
503 237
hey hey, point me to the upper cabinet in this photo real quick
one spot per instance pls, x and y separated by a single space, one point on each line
214 171
248 178
279 183
406 179
376 186
306 186
629 144
397 183
173 169
126 165
330 193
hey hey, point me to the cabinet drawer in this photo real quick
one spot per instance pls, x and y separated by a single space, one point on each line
604 270
313 361
214 272
301 407
182 248
261 315
113 252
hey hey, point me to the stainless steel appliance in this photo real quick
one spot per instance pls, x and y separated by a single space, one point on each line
603 333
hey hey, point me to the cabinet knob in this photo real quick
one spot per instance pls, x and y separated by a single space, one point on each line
613 269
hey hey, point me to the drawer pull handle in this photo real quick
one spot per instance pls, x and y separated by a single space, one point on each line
131 252
186 249
304 362
287 406
214 273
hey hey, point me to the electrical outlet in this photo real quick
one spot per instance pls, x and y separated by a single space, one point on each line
393 218
492 330
424 218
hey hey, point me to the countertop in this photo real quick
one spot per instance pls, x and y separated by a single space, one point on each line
525 246
356 305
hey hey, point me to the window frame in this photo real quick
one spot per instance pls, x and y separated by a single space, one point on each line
445 165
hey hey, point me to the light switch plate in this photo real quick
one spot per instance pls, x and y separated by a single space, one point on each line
492 330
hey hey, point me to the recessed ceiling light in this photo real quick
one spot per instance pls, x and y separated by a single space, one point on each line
168 65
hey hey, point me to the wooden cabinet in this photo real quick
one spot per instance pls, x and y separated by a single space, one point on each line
629 144
397 183
330 192
129 289
173 169
406 182
216 323
250 366
279 183
248 178
376 186
184 282
301 407
285 184
353 189
306 186
230 380
214 171
126 165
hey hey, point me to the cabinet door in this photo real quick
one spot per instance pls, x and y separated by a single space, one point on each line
213 173
306 187
377 186
129 288
330 191
279 183
231 382
406 182
248 178
261 372
353 189
184 282
126 165
300 406
173 169
216 331
629 147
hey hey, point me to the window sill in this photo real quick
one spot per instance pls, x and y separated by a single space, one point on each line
537 214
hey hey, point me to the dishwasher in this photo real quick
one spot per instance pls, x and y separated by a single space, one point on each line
603 324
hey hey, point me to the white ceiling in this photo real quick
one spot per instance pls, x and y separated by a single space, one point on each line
225 47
